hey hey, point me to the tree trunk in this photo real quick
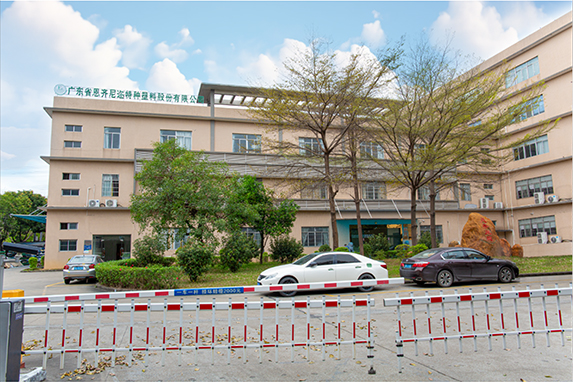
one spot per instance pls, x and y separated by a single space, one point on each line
414 223
262 250
357 204
331 204
433 213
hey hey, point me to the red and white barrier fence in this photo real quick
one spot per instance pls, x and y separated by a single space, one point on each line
529 313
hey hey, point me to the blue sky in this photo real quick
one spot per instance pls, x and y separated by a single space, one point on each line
175 46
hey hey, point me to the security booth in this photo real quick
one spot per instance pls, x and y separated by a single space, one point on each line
11 329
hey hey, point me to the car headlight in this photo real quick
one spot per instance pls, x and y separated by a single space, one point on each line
271 276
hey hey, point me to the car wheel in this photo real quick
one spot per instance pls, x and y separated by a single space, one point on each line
505 275
445 278
66 281
366 276
288 280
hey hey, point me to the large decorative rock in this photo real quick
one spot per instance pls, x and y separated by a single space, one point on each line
479 233
517 251
454 244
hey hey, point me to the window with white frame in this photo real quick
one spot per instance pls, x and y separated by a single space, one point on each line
314 236
67 226
489 197
174 239
371 150
68 245
253 233
465 192
183 138
530 227
424 193
70 176
73 128
439 232
112 137
488 186
73 144
522 72
110 185
528 187
532 148
309 146
532 108
70 192
247 143
374 191
316 191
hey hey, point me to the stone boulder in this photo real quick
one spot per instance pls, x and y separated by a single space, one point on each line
479 233
517 251
454 244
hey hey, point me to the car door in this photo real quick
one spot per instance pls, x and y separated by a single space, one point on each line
481 267
347 267
458 262
321 269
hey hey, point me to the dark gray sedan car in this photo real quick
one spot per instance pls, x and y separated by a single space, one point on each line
445 266
81 267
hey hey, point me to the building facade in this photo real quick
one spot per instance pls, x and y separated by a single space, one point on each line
99 142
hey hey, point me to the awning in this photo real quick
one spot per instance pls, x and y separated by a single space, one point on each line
36 218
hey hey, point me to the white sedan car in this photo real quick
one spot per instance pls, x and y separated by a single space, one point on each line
325 267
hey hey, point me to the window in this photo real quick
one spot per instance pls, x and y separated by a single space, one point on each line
324 260
489 197
309 146
111 137
532 107
374 191
247 143
250 232
526 188
439 233
465 192
485 153
531 148
371 150
346 259
68 225
73 128
68 245
174 240
110 185
70 192
424 193
318 191
70 176
522 72
530 227
488 186
314 236
73 144
183 138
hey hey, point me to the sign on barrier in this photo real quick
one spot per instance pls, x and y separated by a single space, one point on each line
463 310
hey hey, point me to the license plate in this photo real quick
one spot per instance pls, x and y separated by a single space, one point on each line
78 268
407 265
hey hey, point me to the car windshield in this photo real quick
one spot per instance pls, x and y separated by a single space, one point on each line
306 259
427 253
82 259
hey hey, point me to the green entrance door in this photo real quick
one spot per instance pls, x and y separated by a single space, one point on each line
112 247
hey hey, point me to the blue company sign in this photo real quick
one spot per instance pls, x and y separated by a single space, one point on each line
208 291
136 95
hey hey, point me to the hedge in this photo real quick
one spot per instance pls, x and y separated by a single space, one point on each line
126 274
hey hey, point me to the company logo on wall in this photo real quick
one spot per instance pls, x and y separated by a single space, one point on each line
135 95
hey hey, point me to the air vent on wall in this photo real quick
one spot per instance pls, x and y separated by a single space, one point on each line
541 237
93 203
539 197
111 203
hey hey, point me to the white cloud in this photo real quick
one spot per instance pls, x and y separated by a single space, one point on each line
174 51
5 156
373 35
261 72
186 38
376 14
134 45
476 28
165 76
525 17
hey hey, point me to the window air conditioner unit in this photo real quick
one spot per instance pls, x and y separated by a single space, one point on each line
539 197
555 239
93 203
111 203
553 198
483 203
541 237
498 205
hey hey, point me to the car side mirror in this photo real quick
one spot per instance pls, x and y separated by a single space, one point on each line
312 265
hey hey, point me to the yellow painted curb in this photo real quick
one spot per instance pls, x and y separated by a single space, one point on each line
13 293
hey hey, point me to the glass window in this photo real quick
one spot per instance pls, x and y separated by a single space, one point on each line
250 232
522 72
68 225
533 107
371 150
473 255
455 255
465 192
111 137
314 236
247 143
527 187
74 128
73 144
530 227
68 245
346 259
70 176
374 191
183 138
309 146
439 233
489 197
488 186
324 260
318 191
70 192
424 193
110 185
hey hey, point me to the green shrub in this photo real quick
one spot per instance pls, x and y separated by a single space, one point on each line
405 250
126 274
324 248
420 247
379 243
426 239
341 249
238 250
42 261
367 250
33 261
195 258
286 249
149 250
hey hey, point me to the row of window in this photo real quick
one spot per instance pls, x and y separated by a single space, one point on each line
527 187
111 137
522 72
531 148
530 227
109 184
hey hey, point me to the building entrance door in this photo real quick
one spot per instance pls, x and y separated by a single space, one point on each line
112 247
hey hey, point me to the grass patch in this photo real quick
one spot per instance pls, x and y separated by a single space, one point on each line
543 264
